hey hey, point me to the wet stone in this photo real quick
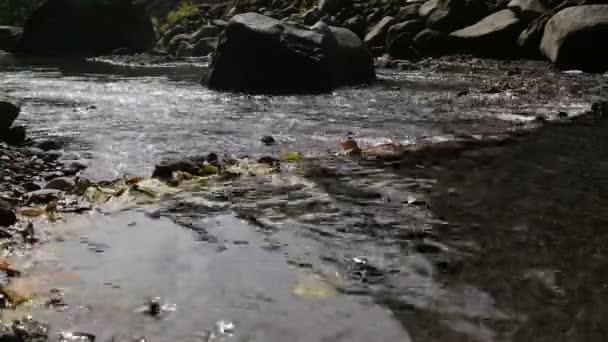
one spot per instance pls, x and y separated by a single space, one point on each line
48 145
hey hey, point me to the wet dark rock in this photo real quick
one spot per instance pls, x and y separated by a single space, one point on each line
207 31
48 144
176 41
377 35
529 40
7 214
312 16
401 47
52 174
268 140
494 36
428 8
9 111
528 9
43 196
9 37
15 136
412 27
62 184
29 186
334 6
452 15
571 37
258 54
73 168
432 43
95 27
165 169
357 25
409 12
51 156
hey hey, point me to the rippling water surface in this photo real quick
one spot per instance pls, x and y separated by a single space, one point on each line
501 243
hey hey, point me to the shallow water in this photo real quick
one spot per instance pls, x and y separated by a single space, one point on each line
501 243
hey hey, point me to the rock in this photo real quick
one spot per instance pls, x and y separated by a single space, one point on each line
206 31
185 50
358 25
9 37
311 16
377 35
258 54
48 144
401 47
205 46
334 6
528 9
43 196
268 140
452 15
165 169
432 43
94 27
176 41
428 8
413 27
529 39
495 35
61 183
51 156
351 62
178 29
409 12
9 111
73 168
572 36
15 136
29 186
7 215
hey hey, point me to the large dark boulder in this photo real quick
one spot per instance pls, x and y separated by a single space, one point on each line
452 15
494 36
91 27
575 38
9 37
258 54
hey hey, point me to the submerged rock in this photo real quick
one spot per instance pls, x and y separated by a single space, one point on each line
258 54
572 38
93 27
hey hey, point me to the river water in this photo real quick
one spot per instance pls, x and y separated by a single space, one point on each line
501 243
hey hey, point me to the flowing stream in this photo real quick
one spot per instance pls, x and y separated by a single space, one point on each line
501 243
